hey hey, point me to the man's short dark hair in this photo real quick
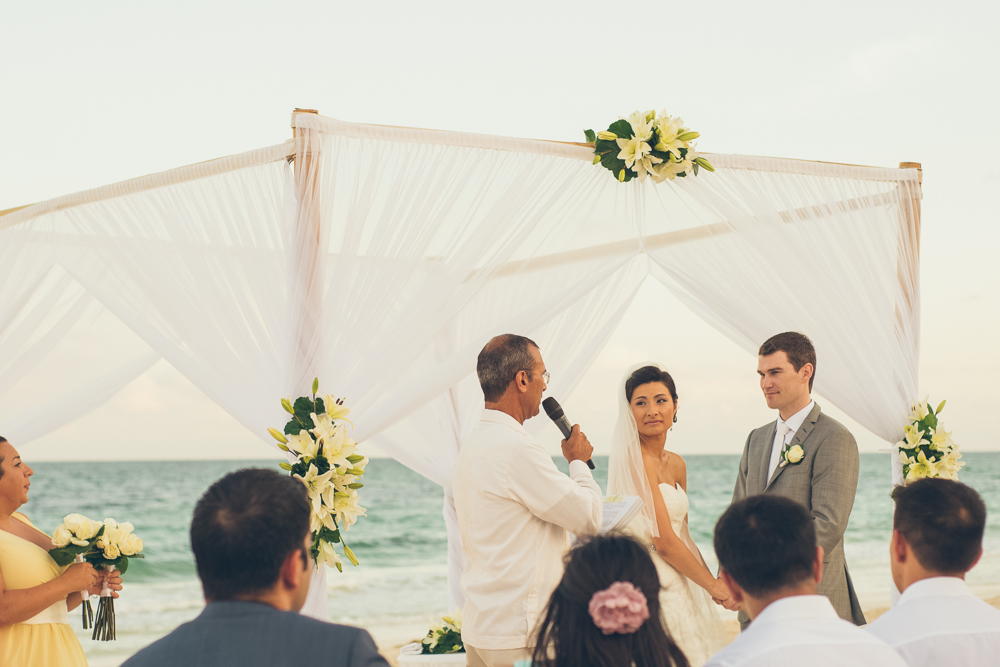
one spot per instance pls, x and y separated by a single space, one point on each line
766 543
244 527
500 362
797 347
943 521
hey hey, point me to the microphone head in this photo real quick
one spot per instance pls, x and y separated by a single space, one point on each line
553 409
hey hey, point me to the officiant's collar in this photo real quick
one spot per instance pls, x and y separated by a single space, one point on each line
795 421
500 417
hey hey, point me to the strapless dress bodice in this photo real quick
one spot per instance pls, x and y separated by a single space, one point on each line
677 505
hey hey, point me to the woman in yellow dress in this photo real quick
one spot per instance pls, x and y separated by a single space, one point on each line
35 593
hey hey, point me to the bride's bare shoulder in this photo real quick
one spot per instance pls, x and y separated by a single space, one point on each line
678 468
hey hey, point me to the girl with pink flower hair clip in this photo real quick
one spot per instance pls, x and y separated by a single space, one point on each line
606 610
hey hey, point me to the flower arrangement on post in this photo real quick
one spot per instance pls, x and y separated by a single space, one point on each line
647 144
444 638
927 450
109 545
326 461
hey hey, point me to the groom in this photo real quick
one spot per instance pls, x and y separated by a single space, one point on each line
805 456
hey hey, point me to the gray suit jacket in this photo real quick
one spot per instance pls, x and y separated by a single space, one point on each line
825 481
246 634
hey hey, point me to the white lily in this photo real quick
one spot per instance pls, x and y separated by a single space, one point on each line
642 125
316 484
668 131
327 555
338 448
303 444
348 510
335 411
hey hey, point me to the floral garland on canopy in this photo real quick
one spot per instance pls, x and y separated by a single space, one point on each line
326 461
647 144
927 450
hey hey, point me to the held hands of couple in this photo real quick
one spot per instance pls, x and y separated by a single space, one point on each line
577 447
723 596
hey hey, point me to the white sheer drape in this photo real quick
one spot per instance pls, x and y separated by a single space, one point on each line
384 259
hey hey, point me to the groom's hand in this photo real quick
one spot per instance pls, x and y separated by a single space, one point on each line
577 447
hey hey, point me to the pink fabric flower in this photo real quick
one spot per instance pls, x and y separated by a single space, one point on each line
619 608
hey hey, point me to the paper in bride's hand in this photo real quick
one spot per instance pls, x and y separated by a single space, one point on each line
619 511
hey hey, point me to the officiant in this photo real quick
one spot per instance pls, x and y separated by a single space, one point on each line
515 507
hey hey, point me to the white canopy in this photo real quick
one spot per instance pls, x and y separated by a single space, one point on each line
381 259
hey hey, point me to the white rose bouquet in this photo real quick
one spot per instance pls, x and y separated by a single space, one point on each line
326 461
647 144
109 545
927 450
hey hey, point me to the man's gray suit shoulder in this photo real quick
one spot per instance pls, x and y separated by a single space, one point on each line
299 638
831 428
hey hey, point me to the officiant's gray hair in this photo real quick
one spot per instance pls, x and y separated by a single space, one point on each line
501 360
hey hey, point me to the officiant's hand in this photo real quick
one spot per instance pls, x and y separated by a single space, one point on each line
577 447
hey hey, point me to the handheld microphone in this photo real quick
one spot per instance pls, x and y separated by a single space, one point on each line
556 414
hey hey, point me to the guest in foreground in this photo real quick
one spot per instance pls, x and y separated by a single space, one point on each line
35 593
937 537
606 611
250 537
768 556
514 506
806 456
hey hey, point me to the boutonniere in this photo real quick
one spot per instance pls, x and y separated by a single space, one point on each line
791 455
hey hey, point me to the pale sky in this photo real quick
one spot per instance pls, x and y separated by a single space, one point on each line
94 93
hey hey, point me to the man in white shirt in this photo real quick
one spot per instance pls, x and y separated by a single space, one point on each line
806 456
769 558
514 507
937 537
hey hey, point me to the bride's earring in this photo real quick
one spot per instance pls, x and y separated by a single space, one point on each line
675 421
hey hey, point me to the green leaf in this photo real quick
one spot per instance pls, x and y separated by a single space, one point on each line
320 406
591 137
123 565
622 128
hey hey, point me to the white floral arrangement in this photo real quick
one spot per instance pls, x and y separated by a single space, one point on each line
444 638
327 463
648 144
109 545
927 450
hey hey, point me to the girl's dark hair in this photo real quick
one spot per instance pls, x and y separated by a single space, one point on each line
2 439
567 635
648 374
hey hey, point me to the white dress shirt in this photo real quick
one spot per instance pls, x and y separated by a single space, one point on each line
805 630
514 508
793 423
939 621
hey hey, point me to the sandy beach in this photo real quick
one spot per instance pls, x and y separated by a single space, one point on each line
732 627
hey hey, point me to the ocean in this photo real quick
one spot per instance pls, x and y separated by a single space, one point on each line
400 585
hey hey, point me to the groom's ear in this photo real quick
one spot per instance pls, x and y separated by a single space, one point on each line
807 371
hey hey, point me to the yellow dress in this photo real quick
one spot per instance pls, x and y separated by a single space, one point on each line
39 642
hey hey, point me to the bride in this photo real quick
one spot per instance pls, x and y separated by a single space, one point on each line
640 465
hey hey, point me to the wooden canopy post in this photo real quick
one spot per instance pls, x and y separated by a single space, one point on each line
305 261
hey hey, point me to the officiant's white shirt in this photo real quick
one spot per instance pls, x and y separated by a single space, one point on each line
514 508
794 423
939 621
805 630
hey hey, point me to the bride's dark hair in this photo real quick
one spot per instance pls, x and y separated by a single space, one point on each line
568 636
648 374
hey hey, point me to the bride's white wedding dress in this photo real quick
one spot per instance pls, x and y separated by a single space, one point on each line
687 609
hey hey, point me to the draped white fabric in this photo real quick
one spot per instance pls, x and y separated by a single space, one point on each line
384 258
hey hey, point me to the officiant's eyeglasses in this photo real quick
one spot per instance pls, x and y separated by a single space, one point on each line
545 375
